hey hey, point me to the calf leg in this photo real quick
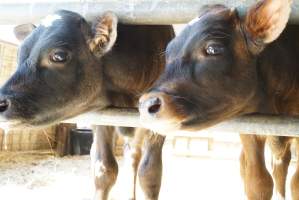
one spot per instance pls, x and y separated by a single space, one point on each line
280 147
242 165
150 169
295 178
133 152
257 180
103 163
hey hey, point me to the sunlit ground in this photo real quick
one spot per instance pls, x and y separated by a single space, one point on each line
41 176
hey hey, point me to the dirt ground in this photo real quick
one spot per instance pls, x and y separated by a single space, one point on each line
39 175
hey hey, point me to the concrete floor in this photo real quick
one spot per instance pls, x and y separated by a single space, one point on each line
38 176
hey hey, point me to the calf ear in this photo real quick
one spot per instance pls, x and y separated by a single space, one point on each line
23 30
265 21
104 34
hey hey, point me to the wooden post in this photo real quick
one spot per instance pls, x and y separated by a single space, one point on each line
63 146
2 132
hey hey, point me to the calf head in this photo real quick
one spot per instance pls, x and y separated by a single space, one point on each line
211 67
59 69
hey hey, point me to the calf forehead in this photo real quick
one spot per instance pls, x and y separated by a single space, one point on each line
61 28
199 30
61 16
61 23
61 33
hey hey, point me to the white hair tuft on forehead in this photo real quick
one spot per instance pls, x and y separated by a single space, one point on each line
50 19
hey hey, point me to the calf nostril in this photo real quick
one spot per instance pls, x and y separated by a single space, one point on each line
3 105
155 105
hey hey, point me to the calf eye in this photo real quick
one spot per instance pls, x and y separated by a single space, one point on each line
59 56
214 49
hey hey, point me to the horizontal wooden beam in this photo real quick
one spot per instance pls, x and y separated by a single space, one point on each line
251 124
128 11
109 117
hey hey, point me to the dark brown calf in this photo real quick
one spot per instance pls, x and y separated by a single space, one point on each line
67 66
224 65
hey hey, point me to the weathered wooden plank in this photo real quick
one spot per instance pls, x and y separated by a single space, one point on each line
133 12
251 124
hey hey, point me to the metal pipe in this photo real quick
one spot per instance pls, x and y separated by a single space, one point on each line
251 124
128 11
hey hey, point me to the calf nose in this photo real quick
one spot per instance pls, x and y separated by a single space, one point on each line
151 104
4 103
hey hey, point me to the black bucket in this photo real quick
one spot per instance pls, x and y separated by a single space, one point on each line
81 141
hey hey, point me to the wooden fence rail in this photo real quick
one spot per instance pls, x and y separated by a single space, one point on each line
128 11
251 124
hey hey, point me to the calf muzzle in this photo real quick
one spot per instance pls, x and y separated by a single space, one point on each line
158 113
151 104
